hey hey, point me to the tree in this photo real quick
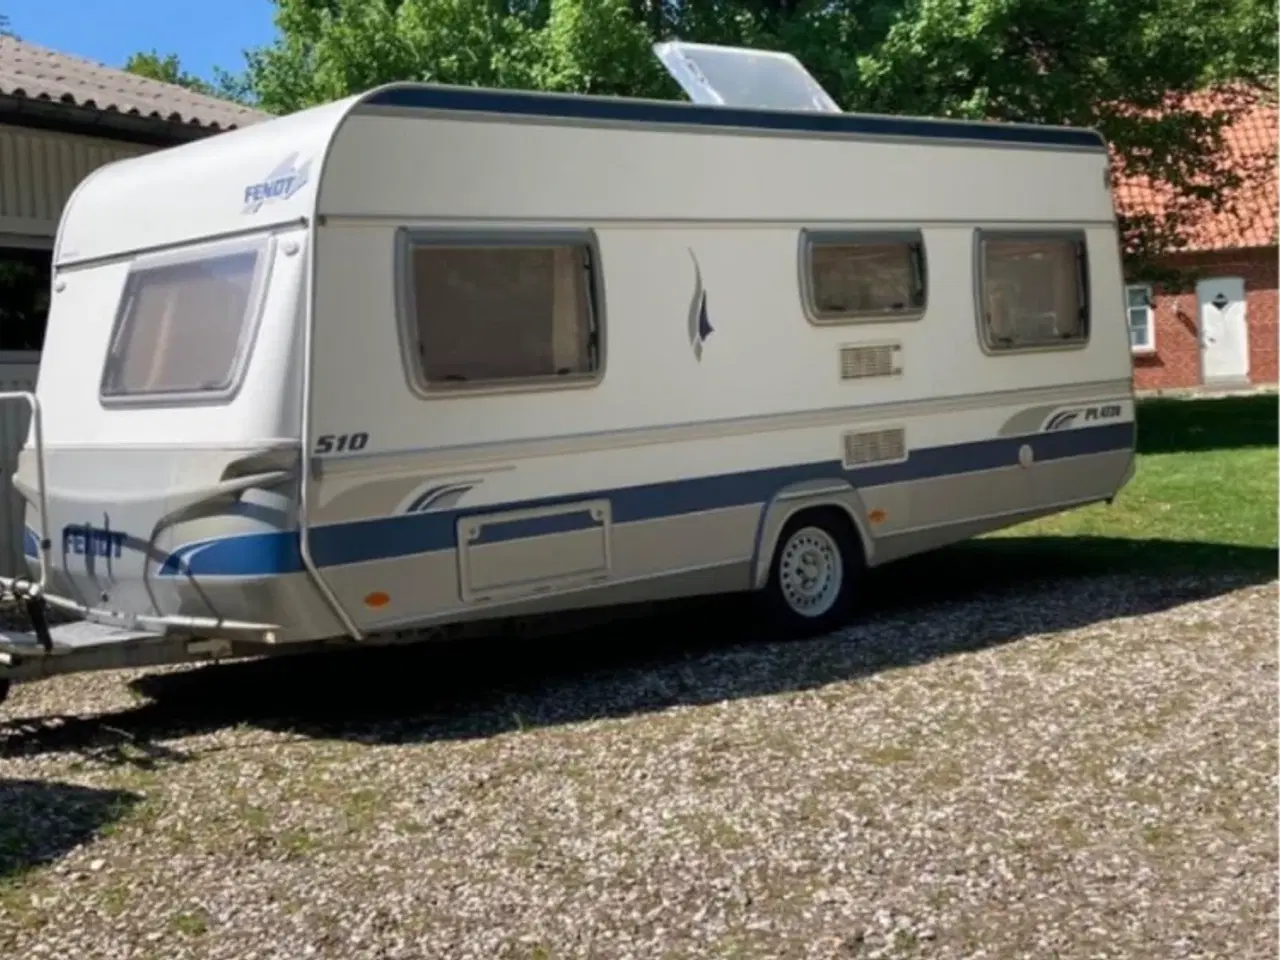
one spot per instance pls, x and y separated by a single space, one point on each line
168 69
1131 68
328 49
1134 69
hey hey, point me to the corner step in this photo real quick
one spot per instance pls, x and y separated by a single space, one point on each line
70 637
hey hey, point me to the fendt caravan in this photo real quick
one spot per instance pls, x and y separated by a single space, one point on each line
429 356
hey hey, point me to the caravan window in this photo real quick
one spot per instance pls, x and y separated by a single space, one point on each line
1034 291
856 276
501 312
184 324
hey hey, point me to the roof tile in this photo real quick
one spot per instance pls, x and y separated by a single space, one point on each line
1251 142
28 70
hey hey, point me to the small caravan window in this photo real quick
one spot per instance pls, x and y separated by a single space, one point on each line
184 324
1033 291
501 312
864 275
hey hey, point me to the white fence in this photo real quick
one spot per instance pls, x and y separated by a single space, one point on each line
17 372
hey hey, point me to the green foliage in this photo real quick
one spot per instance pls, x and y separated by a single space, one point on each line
168 69
331 48
1127 67
596 48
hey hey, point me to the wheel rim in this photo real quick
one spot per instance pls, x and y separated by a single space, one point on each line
811 572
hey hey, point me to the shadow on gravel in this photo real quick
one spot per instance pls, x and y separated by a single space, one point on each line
977 595
43 820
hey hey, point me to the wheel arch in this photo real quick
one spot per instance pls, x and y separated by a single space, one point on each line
799 498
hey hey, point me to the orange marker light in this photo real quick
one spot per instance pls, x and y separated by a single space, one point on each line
377 599
877 516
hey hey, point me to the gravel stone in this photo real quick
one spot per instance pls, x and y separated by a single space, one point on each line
1079 769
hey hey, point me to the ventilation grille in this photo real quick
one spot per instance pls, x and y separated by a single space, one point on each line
877 360
875 446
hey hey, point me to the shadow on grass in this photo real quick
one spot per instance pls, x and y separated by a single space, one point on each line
974 596
41 821
1226 423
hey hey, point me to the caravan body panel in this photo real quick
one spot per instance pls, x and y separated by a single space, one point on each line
671 469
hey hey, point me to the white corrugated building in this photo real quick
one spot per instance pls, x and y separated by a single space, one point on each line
61 117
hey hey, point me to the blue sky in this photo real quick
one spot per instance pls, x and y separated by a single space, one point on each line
203 35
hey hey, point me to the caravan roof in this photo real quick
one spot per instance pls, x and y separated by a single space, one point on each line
272 170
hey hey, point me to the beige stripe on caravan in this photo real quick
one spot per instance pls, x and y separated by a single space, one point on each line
505 451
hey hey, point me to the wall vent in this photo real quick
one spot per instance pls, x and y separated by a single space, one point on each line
875 446
871 360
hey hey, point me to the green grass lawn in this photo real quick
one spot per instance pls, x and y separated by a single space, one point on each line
1204 495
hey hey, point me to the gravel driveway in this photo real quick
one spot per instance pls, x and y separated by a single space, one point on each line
1082 770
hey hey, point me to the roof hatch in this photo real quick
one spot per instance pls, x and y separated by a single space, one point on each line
742 77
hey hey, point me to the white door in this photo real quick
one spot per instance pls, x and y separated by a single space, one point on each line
1224 330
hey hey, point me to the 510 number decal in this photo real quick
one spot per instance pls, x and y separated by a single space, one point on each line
341 442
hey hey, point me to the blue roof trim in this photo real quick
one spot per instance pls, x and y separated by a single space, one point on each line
560 106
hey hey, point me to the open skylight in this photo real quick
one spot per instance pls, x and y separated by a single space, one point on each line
741 77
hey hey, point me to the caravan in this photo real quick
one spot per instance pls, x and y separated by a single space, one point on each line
429 356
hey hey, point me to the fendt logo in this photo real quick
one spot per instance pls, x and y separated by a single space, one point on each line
1081 416
80 539
280 184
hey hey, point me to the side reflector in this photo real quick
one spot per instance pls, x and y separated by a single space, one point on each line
376 599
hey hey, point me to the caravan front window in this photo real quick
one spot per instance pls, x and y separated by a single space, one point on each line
185 323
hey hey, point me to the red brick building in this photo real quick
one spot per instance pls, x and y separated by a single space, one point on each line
1220 329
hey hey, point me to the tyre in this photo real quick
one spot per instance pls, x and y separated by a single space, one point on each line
817 566
4 689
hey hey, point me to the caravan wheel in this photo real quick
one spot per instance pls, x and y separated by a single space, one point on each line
816 568
4 689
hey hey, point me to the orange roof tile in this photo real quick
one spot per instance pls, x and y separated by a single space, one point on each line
1251 142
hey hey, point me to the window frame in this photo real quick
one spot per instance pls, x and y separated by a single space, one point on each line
264 246
814 237
1150 346
1083 288
408 239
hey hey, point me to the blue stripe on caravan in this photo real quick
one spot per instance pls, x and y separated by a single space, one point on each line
247 555
527 104
385 538
30 543
537 526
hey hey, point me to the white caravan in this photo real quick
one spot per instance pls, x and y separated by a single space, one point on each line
433 355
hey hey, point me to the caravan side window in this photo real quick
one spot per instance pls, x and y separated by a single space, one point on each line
863 276
501 311
1033 290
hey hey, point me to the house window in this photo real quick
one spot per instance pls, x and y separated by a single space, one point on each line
1033 291
863 276
485 312
1142 325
